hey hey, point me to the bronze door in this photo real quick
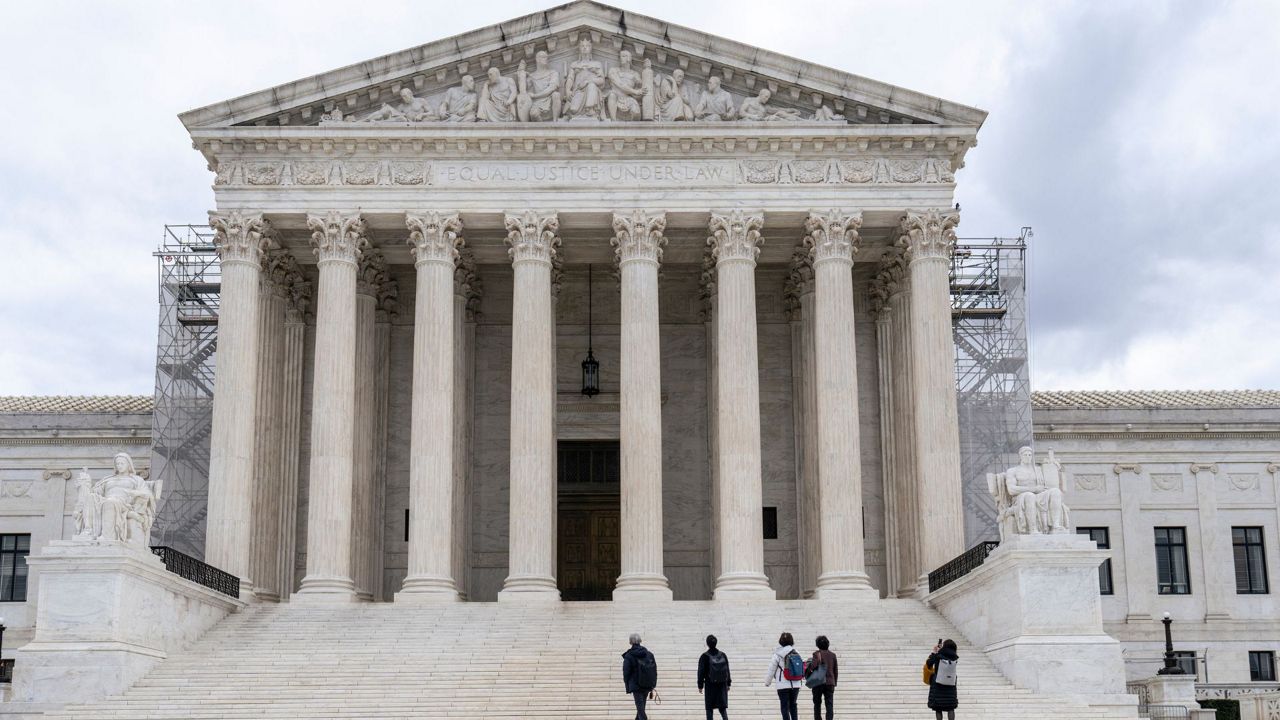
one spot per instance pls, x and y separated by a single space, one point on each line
589 547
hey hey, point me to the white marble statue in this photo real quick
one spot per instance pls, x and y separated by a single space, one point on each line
411 109
715 104
498 98
120 507
538 91
459 104
672 103
584 87
826 114
626 90
757 108
1029 497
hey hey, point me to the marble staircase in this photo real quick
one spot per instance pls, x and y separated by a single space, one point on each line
484 660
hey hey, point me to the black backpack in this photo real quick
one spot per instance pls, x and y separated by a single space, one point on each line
718 668
646 671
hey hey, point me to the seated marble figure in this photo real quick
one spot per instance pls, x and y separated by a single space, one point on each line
1029 497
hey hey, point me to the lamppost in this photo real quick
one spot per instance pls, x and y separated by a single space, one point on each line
4 668
590 367
1171 666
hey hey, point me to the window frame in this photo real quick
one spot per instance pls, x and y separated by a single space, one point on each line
1169 547
9 567
1261 546
1106 582
1254 667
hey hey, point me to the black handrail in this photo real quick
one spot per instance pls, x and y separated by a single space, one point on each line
965 563
189 568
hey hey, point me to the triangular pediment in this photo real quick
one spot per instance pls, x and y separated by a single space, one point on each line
673 64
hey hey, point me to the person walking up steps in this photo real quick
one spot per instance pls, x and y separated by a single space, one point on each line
820 676
714 679
786 670
942 684
639 674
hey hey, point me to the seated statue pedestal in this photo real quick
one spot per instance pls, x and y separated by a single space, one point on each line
108 612
1033 606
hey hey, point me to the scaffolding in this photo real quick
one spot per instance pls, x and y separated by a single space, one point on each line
190 281
993 385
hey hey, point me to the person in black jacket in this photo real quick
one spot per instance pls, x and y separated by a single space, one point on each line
714 679
823 658
942 698
639 674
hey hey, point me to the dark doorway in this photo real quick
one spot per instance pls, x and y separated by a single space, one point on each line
588 538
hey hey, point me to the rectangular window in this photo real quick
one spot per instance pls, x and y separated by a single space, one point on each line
1172 575
771 523
1251 560
13 567
1101 536
1186 661
1262 666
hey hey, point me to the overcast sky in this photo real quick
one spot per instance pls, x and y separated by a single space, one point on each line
1141 141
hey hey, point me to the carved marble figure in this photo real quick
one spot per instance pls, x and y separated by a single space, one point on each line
716 103
411 109
120 507
626 90
826 114
498 98
1029 497
538 92
584 87
757 108
673 103
459 104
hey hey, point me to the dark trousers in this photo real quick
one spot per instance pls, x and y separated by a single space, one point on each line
819 693
724 714
787 700
641 696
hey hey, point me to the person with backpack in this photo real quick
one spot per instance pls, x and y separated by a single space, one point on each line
639 674
786 670
714 679
942 682
820 676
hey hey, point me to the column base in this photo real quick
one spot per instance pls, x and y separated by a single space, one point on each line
743 586
247 592
642 587
529 589
425 589
318 590
845 586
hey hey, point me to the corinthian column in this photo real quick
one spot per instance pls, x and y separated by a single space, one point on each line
433 239
833 238
929 237
639 240
532 558
735 241
339 240
241 239
800 289
267 489
365 482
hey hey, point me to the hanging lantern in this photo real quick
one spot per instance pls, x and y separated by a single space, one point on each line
590 368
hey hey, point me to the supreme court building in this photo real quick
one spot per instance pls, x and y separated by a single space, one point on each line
420 251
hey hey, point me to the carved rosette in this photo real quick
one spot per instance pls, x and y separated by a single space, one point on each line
929 234
639 236
241 237
533 236
832 235
372 272
434 236
336 237
735 236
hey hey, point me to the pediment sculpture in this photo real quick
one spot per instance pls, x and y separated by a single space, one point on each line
120 507
585 89
1029 498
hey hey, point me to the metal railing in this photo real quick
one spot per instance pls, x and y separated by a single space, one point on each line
189 568
964 564
1163 712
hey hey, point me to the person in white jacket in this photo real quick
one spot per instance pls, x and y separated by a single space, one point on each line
788 690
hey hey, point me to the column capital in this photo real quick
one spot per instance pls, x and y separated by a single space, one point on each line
735 236
387 300
707 284
1197 468
533 236
832 235
281 272
799 280
929 233
434 236
372 273
241 236
337 237
638 235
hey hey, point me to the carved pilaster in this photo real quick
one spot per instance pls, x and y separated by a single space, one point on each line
1197 468
533 236
241 237
434 236
735 236
337 237
929 233
639 236
832 235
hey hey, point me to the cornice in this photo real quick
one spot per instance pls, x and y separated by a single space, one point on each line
1161 435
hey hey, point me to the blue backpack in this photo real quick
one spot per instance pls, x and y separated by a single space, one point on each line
793 667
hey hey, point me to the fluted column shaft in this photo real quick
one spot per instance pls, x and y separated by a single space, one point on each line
735 239
532 557
434 238
930 240
904 446
240 239
639 240
290 442
265 548
889 467
833 237
339 240
364 489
